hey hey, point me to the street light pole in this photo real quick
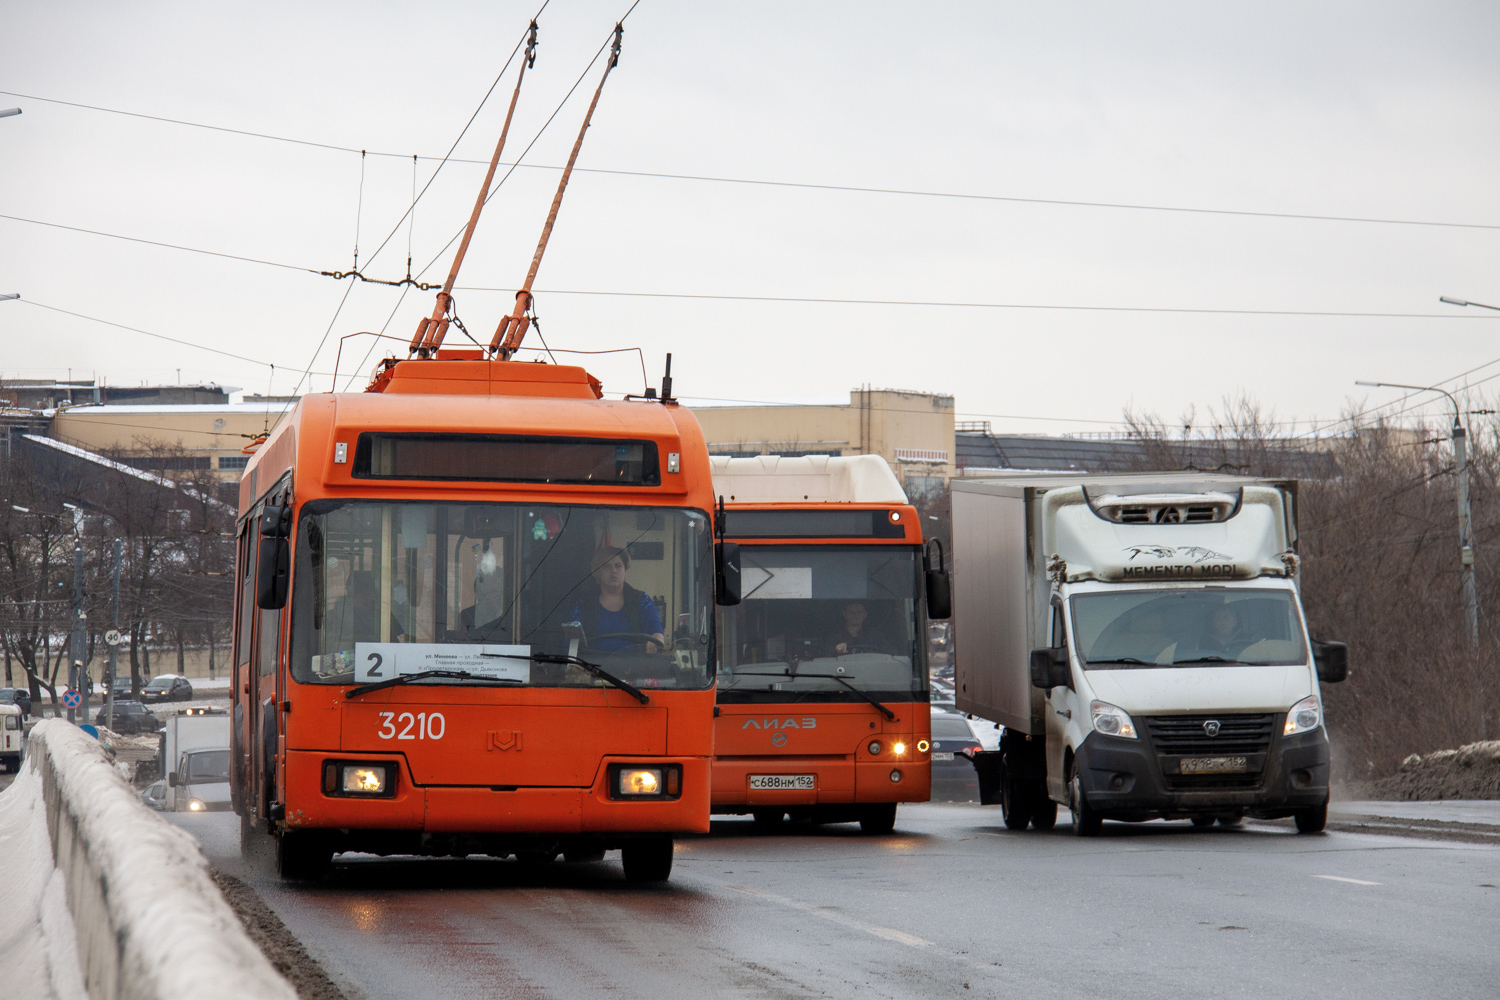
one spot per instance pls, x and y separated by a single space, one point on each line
1465 302
1465 523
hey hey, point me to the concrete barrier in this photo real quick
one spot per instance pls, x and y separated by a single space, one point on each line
151 924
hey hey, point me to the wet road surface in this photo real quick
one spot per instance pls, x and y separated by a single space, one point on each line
950 905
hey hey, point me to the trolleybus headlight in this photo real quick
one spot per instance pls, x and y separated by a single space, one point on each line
1112 721
923 746
1304 716
874 748
640 781
363 779
898 748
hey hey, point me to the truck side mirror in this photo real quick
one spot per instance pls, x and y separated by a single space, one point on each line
1049 668
172 780
273 573
939 590
1332 661
727 573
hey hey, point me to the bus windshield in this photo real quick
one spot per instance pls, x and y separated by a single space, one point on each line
817 620
1210 627
382 589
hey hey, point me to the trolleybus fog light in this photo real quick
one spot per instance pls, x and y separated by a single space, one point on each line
363 779
923 746
895 776
874 748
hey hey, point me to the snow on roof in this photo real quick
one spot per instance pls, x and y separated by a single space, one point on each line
818 478
129 470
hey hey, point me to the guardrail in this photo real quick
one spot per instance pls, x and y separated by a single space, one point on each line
151 924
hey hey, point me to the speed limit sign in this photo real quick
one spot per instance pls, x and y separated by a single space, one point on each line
112 637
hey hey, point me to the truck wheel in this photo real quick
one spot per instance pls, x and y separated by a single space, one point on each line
647 860
1086 822
878 819
1015 803
302 855
768 820
1043 812
1312 820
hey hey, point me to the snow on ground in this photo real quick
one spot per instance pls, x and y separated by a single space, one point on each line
38 946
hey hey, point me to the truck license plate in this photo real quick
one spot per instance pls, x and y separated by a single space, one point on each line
1212 765
942 755
792 782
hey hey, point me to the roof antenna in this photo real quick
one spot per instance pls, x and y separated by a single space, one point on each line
512 328
430 331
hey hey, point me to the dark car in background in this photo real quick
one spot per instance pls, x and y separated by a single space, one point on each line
122 687
167 687
130 717
954 744
20 697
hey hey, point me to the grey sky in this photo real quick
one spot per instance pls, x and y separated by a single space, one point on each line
1365 110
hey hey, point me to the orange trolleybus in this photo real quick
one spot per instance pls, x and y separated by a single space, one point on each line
823 696
475 615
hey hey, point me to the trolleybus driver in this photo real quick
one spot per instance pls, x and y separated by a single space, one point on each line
618 612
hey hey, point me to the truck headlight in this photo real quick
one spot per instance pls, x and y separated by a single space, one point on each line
196 805
1304 716
1112 721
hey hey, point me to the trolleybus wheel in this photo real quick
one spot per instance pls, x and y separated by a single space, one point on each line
1312 820
1086 822
1203 821
302 855
1043 812
648 860
536 857
878 819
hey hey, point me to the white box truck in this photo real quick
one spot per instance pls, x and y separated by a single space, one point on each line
1141 639
194 729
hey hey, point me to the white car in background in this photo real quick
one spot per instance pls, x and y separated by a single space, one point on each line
202 781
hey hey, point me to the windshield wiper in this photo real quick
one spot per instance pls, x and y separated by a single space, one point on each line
890 716
457 675
592 668
1208 659
1122 659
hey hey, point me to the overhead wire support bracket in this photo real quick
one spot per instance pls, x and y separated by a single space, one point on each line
432 329
512 328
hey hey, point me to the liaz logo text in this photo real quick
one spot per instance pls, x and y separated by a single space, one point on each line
780 724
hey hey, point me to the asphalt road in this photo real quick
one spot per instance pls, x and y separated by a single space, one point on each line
951 905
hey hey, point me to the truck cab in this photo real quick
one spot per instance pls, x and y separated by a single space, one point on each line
1143 642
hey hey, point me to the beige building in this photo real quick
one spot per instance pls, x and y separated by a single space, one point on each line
913 431
168 438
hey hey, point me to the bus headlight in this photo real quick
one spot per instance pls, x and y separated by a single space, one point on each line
898 748
1304 716
364 779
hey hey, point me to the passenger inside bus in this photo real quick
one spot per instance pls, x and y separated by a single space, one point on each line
615 616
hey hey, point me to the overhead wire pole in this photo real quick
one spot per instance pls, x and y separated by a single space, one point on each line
430 331
1465 522
512 328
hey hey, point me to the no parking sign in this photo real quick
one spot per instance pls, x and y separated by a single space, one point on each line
71 698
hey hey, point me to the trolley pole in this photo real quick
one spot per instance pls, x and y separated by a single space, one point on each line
114 625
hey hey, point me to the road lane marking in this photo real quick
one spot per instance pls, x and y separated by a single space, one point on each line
1351 881
886 933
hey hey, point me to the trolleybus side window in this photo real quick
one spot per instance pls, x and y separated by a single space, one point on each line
395 588
247 590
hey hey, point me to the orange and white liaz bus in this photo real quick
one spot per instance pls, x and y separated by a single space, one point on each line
823 710
475 614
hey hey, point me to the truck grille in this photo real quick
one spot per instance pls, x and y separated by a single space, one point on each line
1184 735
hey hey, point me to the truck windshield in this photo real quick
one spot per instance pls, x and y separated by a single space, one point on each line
383 589
207 766
813 613
1209 627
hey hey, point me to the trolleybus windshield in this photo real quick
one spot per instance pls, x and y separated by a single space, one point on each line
384 589
819 619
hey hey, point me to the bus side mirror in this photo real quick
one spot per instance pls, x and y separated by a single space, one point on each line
727 573
939 590
1049 668
273 573
1332 661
